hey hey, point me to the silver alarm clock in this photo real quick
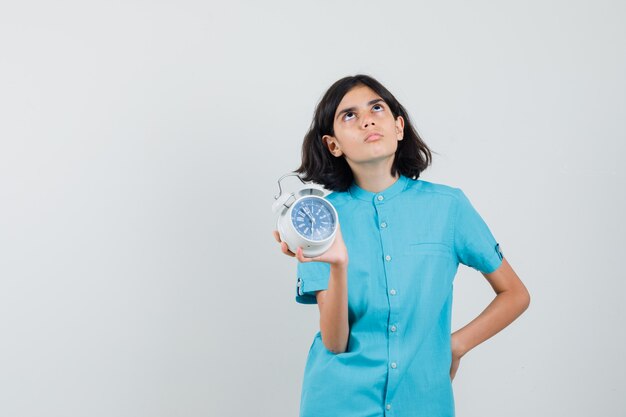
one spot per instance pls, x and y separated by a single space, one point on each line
305 218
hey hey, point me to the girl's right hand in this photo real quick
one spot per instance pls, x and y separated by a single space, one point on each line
336 255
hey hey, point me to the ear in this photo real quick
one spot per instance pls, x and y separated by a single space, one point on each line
399 128
332 145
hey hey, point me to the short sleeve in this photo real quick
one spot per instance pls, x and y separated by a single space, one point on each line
474 243
312 276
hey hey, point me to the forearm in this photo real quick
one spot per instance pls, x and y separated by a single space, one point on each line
333 306
502 311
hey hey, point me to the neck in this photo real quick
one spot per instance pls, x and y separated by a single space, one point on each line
375 177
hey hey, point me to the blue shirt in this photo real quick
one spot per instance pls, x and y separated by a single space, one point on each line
404 246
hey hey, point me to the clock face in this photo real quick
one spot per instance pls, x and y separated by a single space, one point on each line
313 218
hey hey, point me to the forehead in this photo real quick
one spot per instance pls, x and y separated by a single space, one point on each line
357 97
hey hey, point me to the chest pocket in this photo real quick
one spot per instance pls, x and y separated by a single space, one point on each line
429 249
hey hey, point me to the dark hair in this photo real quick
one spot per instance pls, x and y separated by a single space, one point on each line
320 166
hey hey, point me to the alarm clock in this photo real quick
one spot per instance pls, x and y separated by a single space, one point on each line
305 218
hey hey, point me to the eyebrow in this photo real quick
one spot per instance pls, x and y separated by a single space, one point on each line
369 103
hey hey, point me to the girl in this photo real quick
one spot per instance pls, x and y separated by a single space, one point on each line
384 288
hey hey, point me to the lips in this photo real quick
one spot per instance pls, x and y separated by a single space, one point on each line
372 137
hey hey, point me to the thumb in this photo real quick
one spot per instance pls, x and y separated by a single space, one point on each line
302 258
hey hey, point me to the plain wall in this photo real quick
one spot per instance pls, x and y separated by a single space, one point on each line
140 144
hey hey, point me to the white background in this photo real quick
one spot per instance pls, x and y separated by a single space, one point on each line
140 144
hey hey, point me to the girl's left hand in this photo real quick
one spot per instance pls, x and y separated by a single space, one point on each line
454 367
457 354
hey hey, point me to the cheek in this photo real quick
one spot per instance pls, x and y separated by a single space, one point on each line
385 117
347 132
342 129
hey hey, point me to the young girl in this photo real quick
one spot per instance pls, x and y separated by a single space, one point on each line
384 288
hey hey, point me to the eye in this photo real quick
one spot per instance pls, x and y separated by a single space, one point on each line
345 116
379 106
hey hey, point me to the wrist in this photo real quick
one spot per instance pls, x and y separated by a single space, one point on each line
339 265
457 346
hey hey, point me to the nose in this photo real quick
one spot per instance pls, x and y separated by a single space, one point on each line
367 121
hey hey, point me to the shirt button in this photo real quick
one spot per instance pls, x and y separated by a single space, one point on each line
388 407
393 328
383 225
392 291
394 365
388 258
380 198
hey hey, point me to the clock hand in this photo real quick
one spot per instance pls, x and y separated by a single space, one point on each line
310 217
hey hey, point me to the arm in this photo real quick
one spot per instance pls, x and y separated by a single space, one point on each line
333 301
333 306
512 299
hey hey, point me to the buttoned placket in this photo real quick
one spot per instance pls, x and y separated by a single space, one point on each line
393 350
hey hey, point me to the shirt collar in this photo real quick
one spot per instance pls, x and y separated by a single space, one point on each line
382 196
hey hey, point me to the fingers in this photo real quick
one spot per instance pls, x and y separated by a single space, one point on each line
283 245
285 249
300 255
301 258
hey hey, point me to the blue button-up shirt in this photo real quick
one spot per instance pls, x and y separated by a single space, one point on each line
404 245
